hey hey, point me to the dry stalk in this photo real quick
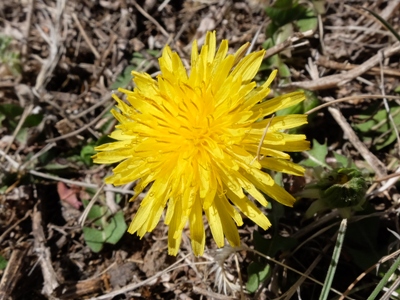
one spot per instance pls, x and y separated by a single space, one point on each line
378 167
341 79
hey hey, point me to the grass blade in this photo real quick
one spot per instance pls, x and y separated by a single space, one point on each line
334 262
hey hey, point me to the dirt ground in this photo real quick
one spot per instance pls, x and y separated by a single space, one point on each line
63 61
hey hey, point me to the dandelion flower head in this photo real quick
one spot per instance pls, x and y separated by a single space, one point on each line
193 138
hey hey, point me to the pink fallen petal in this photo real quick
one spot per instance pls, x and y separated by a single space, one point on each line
68 195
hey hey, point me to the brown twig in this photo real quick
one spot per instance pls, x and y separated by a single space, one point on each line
78 183
330 64
151 19
85 37
43 252
373 267
83 128
340 79
13 271
355 97
372 160
134 286
278 48
209 294
28 24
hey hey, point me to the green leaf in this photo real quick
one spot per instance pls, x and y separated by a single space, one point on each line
22 135
285 11
94 238
111 232
309 103
2 117
86 154
98 214
283 33
8 57
334 261
386 278
11 110
319 6
316 156
258 273
33 120
116 228
12 114
3 263
109 228
376 129
55 166
104 139
308 22
284 70
347 188
123 79
343 161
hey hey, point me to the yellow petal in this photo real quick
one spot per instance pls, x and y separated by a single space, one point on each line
281 102
248 67
197 232
282 165
214 219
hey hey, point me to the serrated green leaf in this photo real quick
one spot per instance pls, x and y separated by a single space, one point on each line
377 130
316 156
342 160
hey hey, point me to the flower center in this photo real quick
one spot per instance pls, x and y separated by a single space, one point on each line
200 134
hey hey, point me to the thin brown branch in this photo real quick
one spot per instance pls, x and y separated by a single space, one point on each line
371 159
85 36
341 79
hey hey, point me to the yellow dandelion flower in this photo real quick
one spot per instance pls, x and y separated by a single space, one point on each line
194 138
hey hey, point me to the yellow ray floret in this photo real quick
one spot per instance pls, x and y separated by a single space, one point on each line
193 137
